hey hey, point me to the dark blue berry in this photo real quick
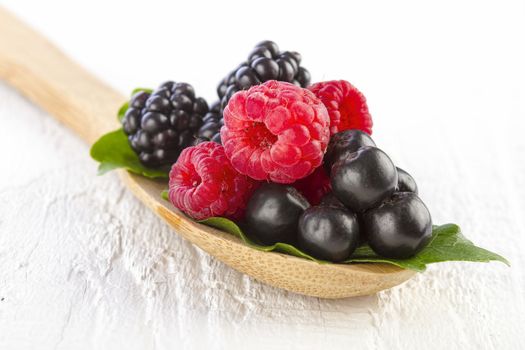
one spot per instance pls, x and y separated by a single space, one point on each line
400 227
364 178
406 182
344 143
273 212
328 233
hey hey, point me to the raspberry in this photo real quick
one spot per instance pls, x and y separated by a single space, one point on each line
345 104
275 131
314 186
204 184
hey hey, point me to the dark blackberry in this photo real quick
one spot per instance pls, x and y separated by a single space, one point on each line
161 124
264 63
211 127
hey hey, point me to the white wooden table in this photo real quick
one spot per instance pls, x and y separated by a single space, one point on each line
83 265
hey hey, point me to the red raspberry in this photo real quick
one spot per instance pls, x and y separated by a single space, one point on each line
204 184
346 106
314 186
275 131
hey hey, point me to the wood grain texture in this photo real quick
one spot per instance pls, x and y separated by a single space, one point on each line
47 77
88 106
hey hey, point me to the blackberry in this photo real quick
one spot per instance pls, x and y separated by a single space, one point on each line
211 127
264 63
162 123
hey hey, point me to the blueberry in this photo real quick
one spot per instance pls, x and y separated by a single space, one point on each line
364 178
328 233
273 212
398 228
405 182
343 143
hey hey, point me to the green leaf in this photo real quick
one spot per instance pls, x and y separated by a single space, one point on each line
447 244
165 195
229 226
149 91
122 111
113 151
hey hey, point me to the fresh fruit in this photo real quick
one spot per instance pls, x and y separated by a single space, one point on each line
265 63
398 228
211 127
343 143
328 233
331 200
314 186
161 124
405 182
364 178
204 184
346 106
273 212
275 131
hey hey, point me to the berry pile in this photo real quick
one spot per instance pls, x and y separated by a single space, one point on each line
371 200
264 63
296 163
161 124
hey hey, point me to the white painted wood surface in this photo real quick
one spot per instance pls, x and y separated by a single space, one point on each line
83 265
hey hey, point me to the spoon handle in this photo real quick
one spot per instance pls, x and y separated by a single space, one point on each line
54 82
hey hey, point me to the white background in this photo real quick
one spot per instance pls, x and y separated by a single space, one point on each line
83 265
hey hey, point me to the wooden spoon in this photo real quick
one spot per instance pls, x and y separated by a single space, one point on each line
88 106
